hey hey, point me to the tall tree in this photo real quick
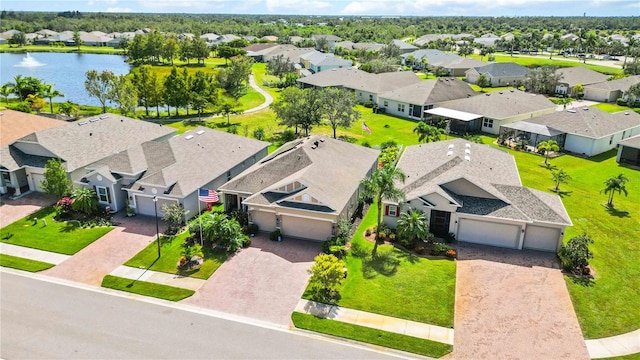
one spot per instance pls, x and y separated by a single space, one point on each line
186 50
100 85
542 80
56 182
235 78
124 94
615 185
175 86
548 146
228 108
19 39
137 49
49 92
170 49
428 133
142 79
154 46
632 94
5 91
312 109
483 82
279 66
227 52
77 39
382 186
200 50
286 107
203 91
338 107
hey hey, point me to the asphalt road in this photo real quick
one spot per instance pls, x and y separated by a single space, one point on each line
43 319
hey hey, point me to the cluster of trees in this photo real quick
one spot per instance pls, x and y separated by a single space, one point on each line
31 91
306 108
179 89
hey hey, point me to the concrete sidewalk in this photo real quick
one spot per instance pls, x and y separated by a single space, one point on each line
620 345
158 277
375 321
33 254
268 99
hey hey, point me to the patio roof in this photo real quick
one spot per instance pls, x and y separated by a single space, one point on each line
453 114
532 128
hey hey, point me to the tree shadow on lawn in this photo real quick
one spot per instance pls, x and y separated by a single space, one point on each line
384 263
617 213
585 281
561 193
70 226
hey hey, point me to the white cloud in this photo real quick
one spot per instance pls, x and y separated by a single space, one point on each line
119 9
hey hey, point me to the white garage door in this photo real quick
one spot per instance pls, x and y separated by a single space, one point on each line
144 205
541 238
266 221
488 233
305 228
37 181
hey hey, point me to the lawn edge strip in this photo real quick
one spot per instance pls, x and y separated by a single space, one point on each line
24 264
166 292
371 336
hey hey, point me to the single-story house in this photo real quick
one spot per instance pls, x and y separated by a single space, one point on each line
499 74
491 110
403 46
330 39
474 191
487 40
15 125
454 64
572 76
411 101
585 131
426 39
609 91
171 170
304 188
316 62
629 151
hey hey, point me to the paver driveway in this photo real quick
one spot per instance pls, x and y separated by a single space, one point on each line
513 305
92 263
13 210
264 281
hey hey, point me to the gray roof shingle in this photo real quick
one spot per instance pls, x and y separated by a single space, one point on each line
580 75
503 104
620 84
431 91
502 69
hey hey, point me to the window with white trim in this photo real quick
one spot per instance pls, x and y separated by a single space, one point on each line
488 123
386 103
103 194
401 108
393 210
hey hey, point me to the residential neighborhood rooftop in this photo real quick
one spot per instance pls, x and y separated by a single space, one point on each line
431 91
502 69
502 104
619 84
580 75
16 124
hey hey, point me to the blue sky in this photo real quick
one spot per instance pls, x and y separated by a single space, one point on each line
344 7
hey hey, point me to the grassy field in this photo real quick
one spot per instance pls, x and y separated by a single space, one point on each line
616 233
555 61
19 263
614 108
159 291
62 49
170 250
60 237
371 336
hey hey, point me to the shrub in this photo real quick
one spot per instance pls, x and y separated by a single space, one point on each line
368 104
327 273
439 249
449 238
287 135
367 232
246 242
392 237
621 102
275 235
174 216
575 255
366 144
421 249
253 229
63 206
258 133
338 251
451 254
358 250
408 243
382 235
386 126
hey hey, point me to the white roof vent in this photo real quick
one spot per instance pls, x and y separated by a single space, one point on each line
200 132
83 123
450 146
93 120
467 145
626 113
571 111
467 157
467 151
188 137
104 117
585 108
449 153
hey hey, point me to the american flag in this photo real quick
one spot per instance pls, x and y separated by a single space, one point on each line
365 127
208 196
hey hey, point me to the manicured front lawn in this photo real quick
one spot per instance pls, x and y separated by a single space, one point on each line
614 108
159 291
171 247
416 289
65 237
19 263
616 233
371 336
557 60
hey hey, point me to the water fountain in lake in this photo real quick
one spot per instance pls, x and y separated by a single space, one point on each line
29 62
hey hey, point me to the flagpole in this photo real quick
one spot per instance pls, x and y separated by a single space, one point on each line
200 217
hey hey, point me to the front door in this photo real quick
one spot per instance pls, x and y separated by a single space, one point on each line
439 223
230 202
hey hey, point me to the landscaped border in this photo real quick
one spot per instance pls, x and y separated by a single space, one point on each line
159 291
372 336
19 263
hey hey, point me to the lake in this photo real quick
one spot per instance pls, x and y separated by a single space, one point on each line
65 71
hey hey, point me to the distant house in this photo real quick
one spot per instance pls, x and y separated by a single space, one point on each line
403 46
629 151
491 110
609 91
295 189
572 76
499 74
316 62
585 131
426 39
474 191
411 101
211 38
454 65
271 38
330 39
3 41
486 40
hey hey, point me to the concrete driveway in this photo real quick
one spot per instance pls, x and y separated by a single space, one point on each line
104 255
13 210
513 305
264 281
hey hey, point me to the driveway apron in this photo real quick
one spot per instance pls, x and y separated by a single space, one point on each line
104 255
264 281
14 210
513 305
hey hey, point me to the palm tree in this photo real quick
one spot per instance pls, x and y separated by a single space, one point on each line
559 177
5 91
548 146
613 185
382 185
49 92
18 85
427 133
84 200
413 225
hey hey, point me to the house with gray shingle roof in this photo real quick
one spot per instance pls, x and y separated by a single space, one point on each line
455 65
403 46
609 91
474 191
316 62
572 76
629 151
585 131
499 74
294 189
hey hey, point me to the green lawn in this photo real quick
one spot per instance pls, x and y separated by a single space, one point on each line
159 291
170 254
616 233
59 237
613 108
371 336
19 263
417 289
557 60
